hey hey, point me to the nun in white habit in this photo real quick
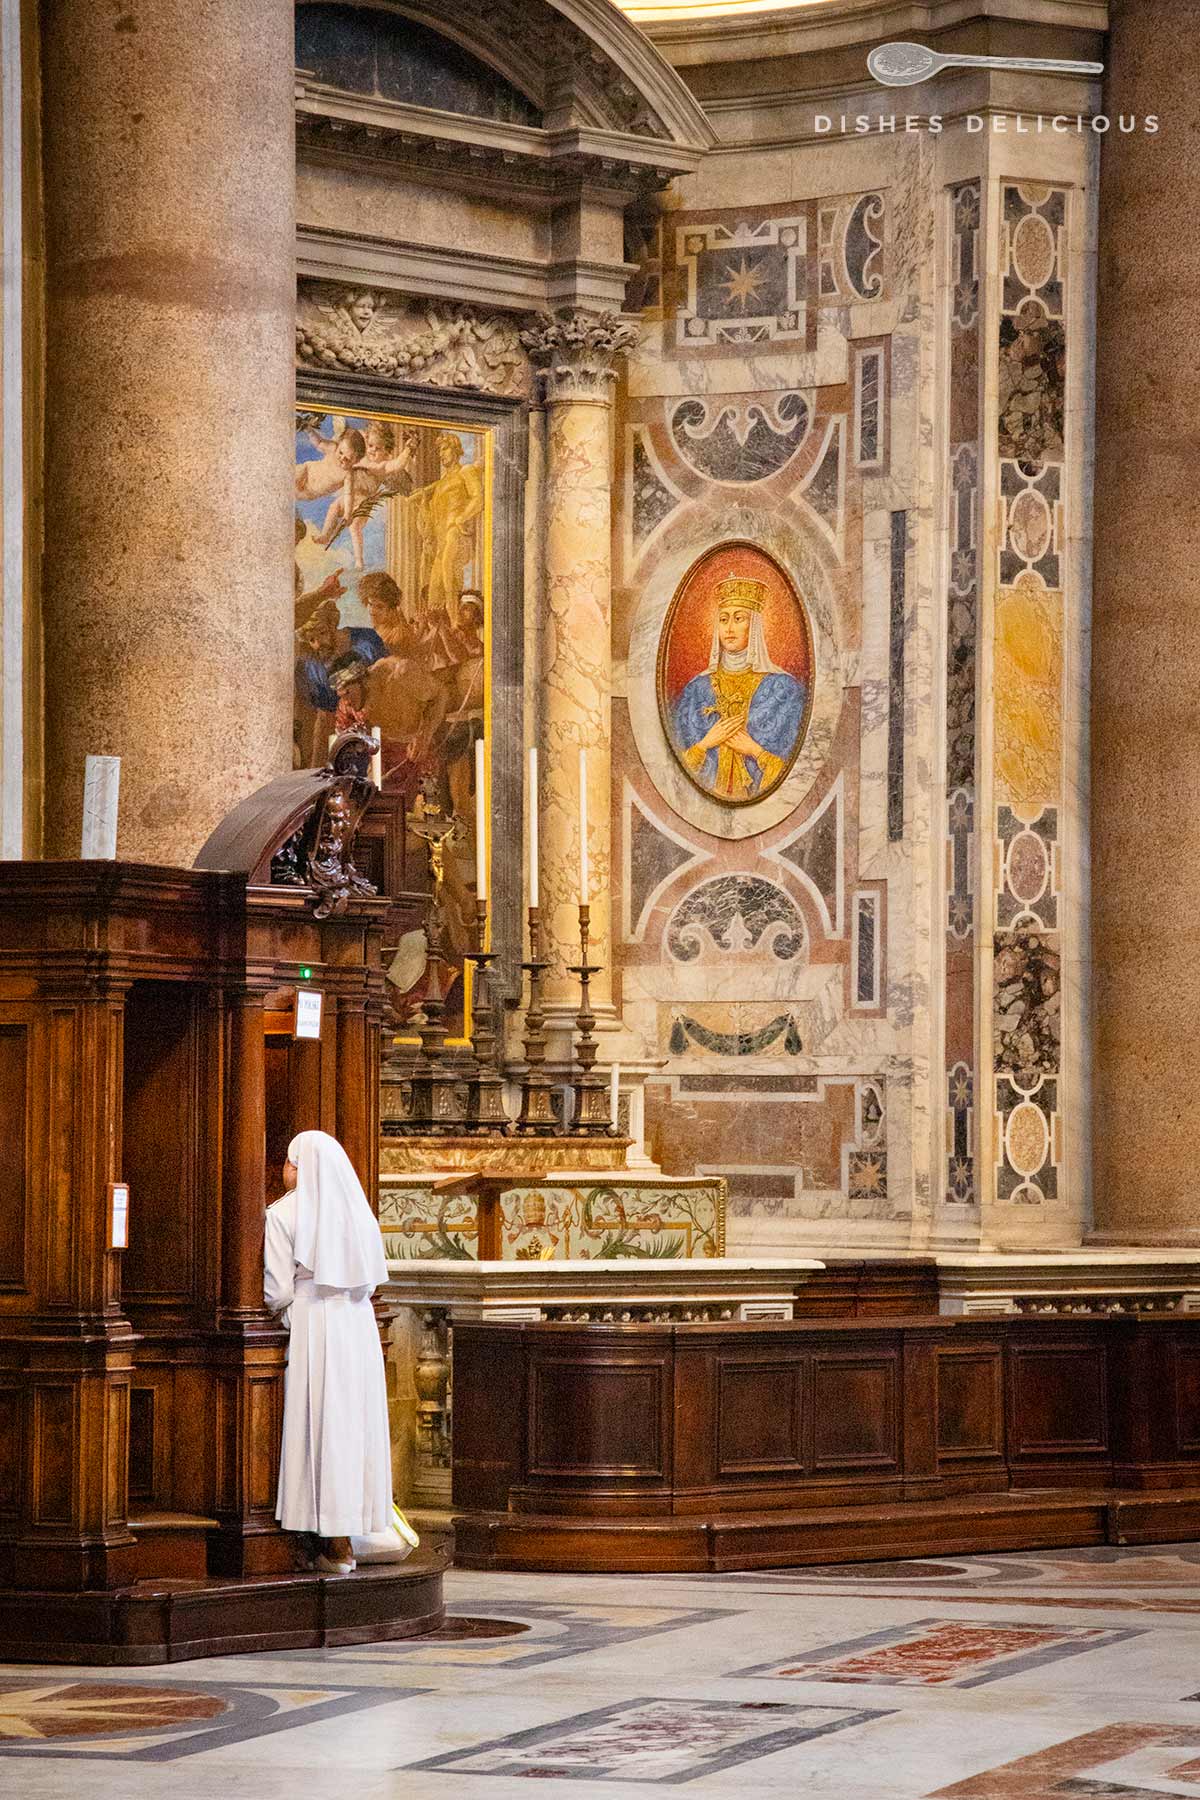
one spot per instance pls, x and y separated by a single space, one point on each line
324 1259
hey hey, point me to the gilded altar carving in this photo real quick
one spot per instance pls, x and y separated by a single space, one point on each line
528 1157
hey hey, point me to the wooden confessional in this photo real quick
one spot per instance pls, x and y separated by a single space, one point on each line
148 1040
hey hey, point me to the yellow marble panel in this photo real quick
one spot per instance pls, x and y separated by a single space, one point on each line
1028 702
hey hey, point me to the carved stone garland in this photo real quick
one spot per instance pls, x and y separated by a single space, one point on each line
370 332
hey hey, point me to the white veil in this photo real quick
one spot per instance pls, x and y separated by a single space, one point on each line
337 1234
754 656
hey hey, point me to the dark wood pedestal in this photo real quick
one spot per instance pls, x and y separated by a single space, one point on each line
725 1446
166 1621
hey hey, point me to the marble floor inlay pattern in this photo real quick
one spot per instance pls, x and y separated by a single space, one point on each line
939 1653
651 1740
549 1632
1047 1675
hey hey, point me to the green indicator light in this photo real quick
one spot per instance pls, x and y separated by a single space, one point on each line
306 974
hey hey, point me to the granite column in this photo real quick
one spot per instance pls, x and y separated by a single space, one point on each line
169 180
1146 638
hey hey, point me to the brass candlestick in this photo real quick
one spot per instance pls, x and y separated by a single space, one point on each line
486 1111
434 1097
537 1090
591 1090
434 1089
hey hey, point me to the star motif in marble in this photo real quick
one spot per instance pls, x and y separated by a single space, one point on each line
744 282
962 1182
962 571
960 914
868 1176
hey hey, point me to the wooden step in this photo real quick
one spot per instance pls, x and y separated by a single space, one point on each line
171 1545
1029 1519
163 1621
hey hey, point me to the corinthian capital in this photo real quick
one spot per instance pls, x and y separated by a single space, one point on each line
577 352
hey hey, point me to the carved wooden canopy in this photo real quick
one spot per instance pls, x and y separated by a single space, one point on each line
298 831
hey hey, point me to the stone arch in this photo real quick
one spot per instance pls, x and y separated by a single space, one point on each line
579 63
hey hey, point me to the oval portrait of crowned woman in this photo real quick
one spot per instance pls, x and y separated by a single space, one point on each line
735 674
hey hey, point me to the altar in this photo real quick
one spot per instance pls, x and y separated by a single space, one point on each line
628 1445
427 1299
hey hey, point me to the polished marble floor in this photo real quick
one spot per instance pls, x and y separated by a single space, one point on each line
1056 1675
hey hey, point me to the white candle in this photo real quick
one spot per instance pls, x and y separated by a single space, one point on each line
101 793
614 1092
583 843
480 823
377 757
533 828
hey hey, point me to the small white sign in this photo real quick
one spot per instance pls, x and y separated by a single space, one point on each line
308 1013
101 792
118 1234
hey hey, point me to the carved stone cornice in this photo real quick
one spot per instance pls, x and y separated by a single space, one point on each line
366 331
523 164
577 352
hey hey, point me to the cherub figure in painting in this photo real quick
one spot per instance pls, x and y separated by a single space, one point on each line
358 484
390 456
362 468
315 479
737 724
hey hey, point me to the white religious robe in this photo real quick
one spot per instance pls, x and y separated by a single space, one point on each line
335 1472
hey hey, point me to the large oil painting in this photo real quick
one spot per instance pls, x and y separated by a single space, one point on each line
735 674
393 621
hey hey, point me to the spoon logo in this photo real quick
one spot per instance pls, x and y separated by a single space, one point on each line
904 65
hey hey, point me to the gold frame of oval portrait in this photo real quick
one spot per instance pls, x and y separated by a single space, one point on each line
664 639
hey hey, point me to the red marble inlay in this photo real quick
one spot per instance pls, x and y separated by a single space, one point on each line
1060 1770
65 1709
936 1654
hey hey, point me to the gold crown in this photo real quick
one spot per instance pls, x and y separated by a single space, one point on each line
742 590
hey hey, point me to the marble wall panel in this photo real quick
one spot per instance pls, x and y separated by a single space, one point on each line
768 956
1029 698
963 301
752 277
795 1150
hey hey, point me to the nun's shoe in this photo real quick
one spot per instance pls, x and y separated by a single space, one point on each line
325 1565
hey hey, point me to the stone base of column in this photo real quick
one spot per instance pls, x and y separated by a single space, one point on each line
1167 1237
